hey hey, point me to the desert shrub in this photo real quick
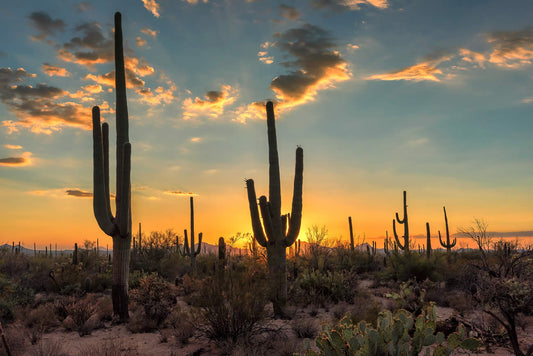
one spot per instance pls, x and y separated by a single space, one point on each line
80 311
305 328
42 318
182 326
104 307
410 297
412 266
232 310
155 296
48 348
319 288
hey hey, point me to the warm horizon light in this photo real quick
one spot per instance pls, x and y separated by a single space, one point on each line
435 98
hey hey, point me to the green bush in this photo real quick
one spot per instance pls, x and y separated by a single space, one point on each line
319 288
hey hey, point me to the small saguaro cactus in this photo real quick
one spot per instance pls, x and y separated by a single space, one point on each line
118 226
448 245
279 231
352 246
405 222
75 255
428 244
190 251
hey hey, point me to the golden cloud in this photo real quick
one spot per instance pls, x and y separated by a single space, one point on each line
212 106
23 161
512 49
152 6
180 193
149 32
140 42
13 147
161 95
425 71
52 70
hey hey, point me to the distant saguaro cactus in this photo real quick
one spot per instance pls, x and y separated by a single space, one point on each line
280 231
405 222
75 255
448 245
428 244
119 226
189 251
352 245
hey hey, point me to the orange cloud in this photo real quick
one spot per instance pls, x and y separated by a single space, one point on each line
152 6
472 57
23 161
213 105
161 95
512 49
180 193
140 42
149 32
348 5
253 111
419 72
317 64
52 70
13 147
194 2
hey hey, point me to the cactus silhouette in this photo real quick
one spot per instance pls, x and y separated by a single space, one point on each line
189 251
352 246
405 222
280 231
428 244
119 226
448 245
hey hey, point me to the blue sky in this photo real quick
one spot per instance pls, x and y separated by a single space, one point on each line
432 97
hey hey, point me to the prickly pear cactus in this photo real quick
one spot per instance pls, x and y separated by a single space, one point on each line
397 334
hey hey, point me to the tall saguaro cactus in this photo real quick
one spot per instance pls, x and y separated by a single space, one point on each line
405 222
190 251
118 226
352 245
277 231
428 243
448 245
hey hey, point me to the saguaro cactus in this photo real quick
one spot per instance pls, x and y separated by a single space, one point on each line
190 251
428 244
405 222
448 245
280 231
119 226
352 246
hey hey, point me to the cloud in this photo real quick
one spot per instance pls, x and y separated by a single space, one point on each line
317 65
23 161
511 49
180 193
35 106
149 32
212 106
45 25
194 2
348 5
84 6
140 42
265 58
161 95
469 56
52 70
424 71
417 142
195 139
152 6
89 48
253 111
289 12
13 147
78 193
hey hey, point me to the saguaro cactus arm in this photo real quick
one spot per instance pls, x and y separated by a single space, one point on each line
274 194
295 219
396 235
257 227
101 205
447 245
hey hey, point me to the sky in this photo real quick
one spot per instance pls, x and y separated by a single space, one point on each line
434 97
